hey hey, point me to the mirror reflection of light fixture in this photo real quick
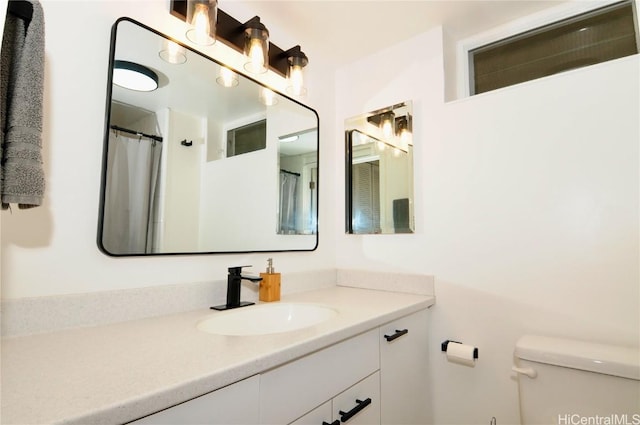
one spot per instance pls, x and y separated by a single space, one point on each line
403 130
133 76
387 124
268 97
288 139
173 53
202 16
226 77
256 46
295 75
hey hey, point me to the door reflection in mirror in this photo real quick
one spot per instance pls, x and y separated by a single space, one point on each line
379 171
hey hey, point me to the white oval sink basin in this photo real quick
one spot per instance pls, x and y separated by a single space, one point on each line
265 319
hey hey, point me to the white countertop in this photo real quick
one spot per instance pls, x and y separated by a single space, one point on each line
120 372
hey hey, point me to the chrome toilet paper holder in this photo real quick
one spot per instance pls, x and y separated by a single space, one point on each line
445 344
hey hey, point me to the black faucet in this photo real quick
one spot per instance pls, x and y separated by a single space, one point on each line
234 280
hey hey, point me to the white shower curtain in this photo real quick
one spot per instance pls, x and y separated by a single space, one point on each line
288 203
133 163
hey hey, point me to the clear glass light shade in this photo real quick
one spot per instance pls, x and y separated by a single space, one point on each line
226 77
173 53
387 124
295 76
201 17
403 132
256 49
268 97
405 138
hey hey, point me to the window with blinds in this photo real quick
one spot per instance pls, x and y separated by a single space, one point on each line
248 138
597 36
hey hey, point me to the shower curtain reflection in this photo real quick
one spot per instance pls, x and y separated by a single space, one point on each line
129 210
288 202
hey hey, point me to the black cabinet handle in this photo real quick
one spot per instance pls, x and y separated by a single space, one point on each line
361 404
398 334
336 422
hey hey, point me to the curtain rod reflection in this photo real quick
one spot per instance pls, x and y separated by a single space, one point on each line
137 133
290 172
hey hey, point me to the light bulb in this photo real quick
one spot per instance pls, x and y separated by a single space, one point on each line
200 32
256 47
227 78
256 56
268 97
387 128
405 138
297 80
173 53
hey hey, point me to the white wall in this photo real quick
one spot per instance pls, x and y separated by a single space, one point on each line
52 250
526 213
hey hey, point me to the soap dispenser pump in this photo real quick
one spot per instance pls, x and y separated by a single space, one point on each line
270 284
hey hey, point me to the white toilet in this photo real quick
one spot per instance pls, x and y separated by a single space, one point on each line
567 382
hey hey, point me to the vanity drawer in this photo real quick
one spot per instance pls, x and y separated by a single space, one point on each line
230 405
291 390
359 404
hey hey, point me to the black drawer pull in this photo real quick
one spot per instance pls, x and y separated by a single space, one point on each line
351 413
398 334
336 422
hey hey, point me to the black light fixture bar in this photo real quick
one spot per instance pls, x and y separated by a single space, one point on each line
231 32
376 116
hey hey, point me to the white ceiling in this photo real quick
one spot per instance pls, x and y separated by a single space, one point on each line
342 31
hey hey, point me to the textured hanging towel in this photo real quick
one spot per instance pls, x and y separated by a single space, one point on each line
21 99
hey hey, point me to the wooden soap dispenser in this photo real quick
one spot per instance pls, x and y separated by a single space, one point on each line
270 284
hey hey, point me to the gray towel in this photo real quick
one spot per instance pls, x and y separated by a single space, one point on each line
21 96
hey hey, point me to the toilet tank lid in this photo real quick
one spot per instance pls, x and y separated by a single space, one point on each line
601 358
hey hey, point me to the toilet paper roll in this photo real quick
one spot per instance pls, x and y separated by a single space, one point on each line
460 353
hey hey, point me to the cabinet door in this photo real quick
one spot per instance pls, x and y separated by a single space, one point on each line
403 370
236 404
318 416
360 404
288 392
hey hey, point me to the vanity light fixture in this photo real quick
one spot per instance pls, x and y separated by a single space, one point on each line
226 77
133 76
295 75
173 53
252 39
256 46
202 18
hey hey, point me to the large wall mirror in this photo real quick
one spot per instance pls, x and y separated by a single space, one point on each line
210 161
379 171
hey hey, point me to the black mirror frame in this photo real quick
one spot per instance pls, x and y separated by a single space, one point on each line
103 174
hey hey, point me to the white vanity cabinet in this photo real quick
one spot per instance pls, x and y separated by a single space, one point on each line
236 404
290 391
403 370
384 369
377 377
